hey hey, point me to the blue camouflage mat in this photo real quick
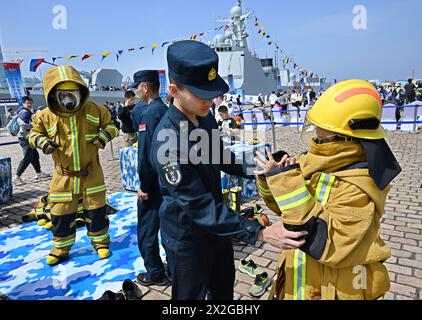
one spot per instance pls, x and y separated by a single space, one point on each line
25 276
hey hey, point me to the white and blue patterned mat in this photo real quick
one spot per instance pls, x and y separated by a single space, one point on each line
24 274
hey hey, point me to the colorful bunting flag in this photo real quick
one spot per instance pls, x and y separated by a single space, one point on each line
154 46
34 64
118 54
71 57
105 55
56 58
87 56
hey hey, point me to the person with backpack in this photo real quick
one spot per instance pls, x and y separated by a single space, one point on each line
23 124
9 115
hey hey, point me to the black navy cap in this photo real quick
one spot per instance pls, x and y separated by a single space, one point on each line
144 76
195 65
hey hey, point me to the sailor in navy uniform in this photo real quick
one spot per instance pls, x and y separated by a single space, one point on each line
146 117
196 226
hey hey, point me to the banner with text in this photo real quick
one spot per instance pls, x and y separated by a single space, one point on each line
14 79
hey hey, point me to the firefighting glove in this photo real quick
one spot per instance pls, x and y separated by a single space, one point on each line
101 140
277 156
48 146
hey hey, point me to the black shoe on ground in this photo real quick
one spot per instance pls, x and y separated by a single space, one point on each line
131 291
145 280
110 295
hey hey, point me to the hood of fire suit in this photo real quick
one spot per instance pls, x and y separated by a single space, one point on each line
57 75
332 157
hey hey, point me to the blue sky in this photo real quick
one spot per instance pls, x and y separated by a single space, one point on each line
318 34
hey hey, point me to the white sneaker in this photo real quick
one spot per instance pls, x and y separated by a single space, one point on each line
41 175
18 181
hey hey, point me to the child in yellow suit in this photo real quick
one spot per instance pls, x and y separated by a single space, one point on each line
337 192
73 129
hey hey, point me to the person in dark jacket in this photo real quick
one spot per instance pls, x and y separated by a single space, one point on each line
113 111
30 156
125 116
146 117
409 91
196 225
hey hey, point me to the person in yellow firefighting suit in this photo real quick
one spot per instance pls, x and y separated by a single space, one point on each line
337 192
72 129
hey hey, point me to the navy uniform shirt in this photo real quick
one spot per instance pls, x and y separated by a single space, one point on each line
137 111
192 196
148 118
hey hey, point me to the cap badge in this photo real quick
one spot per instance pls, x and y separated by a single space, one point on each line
212 75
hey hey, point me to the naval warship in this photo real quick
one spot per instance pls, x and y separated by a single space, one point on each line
246 73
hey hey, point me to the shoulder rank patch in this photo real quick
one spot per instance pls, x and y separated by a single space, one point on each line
173 174
142 127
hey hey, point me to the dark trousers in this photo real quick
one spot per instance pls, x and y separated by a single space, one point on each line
202 267
148 228
30 156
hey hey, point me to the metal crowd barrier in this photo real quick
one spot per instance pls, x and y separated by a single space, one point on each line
112 157
298 123
8 143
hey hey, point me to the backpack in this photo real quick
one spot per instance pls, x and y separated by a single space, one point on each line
13 126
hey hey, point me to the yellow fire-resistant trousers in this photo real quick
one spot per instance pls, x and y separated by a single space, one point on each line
63 216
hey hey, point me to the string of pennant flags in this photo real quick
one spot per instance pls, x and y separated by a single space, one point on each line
286 59
35 63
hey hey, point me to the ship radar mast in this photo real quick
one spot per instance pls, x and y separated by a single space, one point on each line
235 32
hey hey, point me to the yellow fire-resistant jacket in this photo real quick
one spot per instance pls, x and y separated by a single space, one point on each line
341 209
72 131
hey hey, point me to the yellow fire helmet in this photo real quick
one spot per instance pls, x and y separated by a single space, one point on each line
352 108
68 86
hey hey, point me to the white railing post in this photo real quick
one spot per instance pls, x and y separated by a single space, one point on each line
273 131
112 152
415 118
